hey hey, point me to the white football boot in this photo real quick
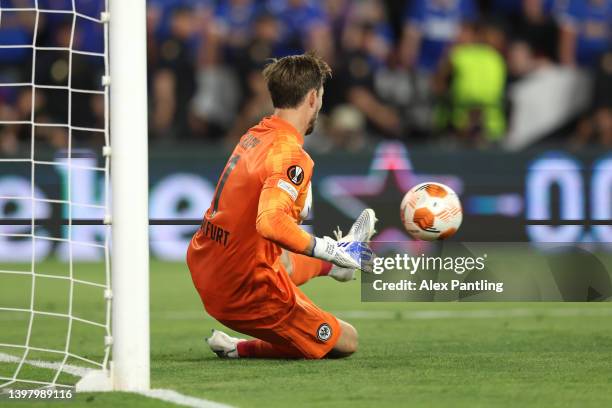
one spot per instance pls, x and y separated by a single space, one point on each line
223 345
362 230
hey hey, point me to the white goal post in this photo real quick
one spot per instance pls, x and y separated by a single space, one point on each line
130 191
130 366
125 289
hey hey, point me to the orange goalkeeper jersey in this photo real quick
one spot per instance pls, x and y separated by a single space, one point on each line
261 196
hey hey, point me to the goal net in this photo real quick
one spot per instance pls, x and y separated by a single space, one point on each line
67 316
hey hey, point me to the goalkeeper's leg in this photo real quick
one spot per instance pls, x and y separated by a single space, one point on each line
344 347
305 331
302 268
226 346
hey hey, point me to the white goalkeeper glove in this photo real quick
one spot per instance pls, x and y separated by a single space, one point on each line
362 230
349 254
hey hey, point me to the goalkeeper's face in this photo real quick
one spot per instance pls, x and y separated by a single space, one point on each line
318 95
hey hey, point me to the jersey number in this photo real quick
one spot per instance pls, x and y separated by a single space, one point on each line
231 164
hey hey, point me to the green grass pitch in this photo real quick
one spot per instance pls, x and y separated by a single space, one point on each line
411 354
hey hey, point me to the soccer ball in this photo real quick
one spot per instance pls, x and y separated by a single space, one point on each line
431 211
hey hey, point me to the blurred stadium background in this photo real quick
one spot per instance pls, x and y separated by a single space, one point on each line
507 101
479 74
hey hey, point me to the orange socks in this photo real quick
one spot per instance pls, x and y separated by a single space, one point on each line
305 268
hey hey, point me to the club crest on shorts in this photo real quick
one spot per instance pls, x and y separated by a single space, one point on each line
324 332
296 175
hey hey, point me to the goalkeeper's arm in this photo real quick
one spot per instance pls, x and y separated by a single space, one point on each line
275 224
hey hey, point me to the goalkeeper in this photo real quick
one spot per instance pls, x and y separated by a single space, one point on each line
249 254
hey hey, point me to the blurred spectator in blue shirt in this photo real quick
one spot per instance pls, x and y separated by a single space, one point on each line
233 22
91 33
586 30
173 82
354 75
304 26
12 33
256 99
337 12
430 26
16 28
160 12
379 39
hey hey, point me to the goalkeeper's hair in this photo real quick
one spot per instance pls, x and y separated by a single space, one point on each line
290 78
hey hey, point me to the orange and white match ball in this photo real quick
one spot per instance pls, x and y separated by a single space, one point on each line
431 211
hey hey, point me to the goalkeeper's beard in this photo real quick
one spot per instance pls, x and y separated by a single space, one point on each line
312 123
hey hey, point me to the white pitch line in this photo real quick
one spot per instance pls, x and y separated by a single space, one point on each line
161 394
68 368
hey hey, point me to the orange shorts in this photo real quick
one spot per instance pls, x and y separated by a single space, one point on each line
307 328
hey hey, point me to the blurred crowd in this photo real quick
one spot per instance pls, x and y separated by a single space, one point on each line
415 70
